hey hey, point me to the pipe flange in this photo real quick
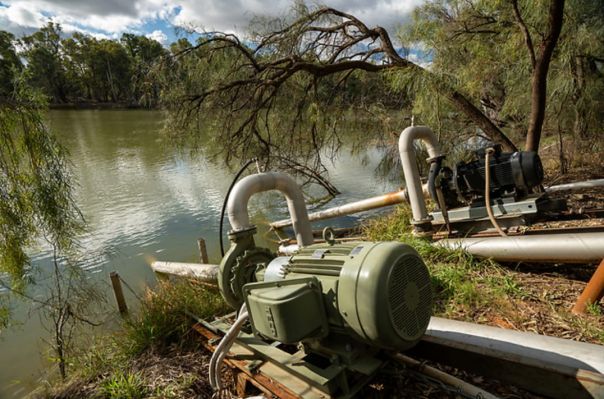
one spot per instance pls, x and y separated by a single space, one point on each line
235 235
436 158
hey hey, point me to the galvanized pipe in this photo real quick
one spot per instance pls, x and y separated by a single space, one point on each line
408 160
354 207
580 185
565 248
250 185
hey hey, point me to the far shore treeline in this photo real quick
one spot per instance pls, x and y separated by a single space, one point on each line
81 71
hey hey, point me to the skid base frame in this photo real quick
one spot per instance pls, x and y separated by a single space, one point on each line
279 373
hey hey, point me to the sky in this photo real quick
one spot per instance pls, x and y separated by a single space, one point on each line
160 19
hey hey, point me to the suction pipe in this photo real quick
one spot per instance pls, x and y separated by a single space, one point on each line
412 181
250 185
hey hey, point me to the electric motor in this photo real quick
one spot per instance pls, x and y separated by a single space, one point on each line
512 174
376 292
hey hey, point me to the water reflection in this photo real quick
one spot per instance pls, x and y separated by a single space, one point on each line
143 199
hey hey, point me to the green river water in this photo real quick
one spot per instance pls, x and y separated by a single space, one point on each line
144 200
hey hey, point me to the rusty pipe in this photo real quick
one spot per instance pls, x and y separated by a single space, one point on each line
389 199
593 292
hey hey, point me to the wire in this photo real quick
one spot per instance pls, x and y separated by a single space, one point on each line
223 348
487 193
226 200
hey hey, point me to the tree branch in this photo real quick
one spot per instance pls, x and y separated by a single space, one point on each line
525 32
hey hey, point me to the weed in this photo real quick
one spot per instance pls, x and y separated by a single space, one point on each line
594 309
164 317
124 385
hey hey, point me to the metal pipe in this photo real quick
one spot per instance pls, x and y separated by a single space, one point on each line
203 272
250 185
593 292
555 367
412 181
580 185
567 248
393 198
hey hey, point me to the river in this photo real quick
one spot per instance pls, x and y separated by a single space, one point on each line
144 199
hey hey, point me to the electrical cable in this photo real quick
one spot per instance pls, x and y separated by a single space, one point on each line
487 194
223 348
226 200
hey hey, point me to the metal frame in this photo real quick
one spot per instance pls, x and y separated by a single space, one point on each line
286 375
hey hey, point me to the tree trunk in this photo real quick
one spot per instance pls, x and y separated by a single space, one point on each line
480 119
539 76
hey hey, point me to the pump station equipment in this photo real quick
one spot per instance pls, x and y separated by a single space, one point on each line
331 309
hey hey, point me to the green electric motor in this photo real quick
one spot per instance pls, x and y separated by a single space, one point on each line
378 293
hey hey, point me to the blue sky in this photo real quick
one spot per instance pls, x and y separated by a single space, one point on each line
161 18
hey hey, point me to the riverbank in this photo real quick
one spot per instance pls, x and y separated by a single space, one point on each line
159 355
115 106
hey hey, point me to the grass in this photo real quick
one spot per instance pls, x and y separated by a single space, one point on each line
155 354
163 318
124 385
483 291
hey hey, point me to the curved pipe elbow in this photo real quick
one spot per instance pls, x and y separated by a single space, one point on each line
424 133
237 206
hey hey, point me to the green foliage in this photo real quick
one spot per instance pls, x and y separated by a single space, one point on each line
165 315
83 69
10 64
478 47
124 385
35 183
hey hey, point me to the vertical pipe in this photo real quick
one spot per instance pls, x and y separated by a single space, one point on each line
593 292
412 181
119 293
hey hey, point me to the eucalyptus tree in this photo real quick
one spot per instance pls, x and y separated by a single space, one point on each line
45 71
10 64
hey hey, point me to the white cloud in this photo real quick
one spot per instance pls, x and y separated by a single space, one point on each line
112 17
159 36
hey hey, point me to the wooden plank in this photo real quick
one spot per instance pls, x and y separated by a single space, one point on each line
273 378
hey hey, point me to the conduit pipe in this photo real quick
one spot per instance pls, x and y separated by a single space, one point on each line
250 185
408 160
552 248
580 185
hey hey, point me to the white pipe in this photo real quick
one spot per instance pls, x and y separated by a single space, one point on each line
523 347
200 271
412 181
568 248
250 185
580 185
